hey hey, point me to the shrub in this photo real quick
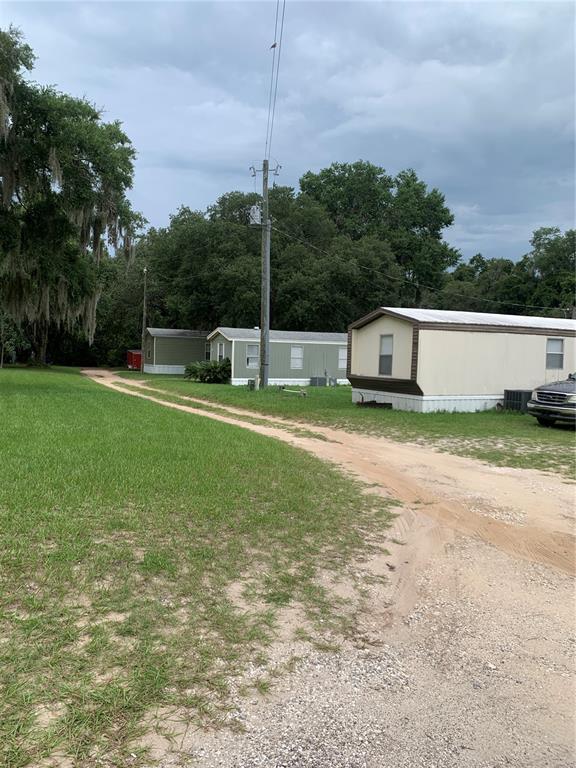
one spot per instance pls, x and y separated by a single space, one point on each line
209 371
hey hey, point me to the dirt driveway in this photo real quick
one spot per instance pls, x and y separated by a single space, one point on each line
466 656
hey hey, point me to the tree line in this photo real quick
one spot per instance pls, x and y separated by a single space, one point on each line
203 270
351 237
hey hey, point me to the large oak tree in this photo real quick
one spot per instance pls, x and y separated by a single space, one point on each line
64 176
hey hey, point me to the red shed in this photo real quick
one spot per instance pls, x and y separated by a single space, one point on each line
134 359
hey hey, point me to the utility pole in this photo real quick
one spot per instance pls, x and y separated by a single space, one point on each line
265 288
261 218
144 308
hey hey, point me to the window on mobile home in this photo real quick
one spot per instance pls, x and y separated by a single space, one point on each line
296 358
385 363
252 355
555 354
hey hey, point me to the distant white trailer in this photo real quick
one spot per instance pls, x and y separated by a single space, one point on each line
435 360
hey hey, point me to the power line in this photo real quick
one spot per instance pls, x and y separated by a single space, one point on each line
266 224
274 47
406 280
277 73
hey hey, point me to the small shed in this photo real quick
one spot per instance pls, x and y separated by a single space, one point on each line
169 350
439 360
134 359
296 357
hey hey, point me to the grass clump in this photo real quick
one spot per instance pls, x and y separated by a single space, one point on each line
124 525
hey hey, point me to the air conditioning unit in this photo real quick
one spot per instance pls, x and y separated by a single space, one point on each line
318 381
516 399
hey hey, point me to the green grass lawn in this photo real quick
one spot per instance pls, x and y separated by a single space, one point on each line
497 437
123 526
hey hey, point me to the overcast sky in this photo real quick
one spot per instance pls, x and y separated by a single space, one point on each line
478 98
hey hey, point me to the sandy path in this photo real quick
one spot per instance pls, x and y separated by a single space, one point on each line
465 658
525 513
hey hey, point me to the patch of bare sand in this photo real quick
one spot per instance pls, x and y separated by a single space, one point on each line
56 760
47 714
478 673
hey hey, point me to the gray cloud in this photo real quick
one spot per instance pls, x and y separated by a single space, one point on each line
478 98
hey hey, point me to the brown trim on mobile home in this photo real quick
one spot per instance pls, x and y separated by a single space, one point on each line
398 386
471 327
361 322
414 362
349 355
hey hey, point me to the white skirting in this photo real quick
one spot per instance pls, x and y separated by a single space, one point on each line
283 382
428 403
175 369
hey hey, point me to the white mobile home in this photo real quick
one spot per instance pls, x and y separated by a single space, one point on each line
295 356
435 360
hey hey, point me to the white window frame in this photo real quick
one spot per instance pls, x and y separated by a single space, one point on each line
387 355
342 358
220 351
253 360
208 351
296 361
553 358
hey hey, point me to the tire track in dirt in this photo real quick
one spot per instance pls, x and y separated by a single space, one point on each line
434 484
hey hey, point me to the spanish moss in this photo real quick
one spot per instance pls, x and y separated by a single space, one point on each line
64 177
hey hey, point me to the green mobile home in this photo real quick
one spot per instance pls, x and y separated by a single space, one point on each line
295 356
169 350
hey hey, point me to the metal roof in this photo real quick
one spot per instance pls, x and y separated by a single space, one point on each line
253 334
176 333
443 317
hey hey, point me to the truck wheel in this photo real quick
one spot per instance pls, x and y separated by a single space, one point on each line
545 421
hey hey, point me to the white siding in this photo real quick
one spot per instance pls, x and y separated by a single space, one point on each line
467 403
175 369
476 363
286 382
366 347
